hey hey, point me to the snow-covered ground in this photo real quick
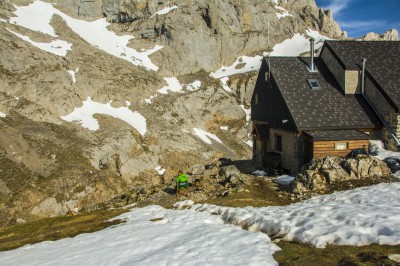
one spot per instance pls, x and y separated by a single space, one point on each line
84 115
206 234
363 216
94 32
172 238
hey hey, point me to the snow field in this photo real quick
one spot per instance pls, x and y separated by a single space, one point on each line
363 216
84 115
153 236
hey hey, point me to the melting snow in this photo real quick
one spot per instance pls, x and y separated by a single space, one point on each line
249 64
298 44
363 216
95 32
284 180
382 153
57 47
193 86
259 173
2 114
249 142
206 136
160 170
153 236
164 11
173 85
248 113
84 115
225 86
73 73
282 12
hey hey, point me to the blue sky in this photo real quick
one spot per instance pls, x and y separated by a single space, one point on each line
359 17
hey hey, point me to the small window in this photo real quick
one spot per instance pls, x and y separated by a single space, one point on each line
278 142
314 84
339 146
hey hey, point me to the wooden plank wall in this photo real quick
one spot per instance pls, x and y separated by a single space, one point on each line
327 148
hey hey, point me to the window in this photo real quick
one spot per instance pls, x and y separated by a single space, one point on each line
256 98
314 85
339 146
278 142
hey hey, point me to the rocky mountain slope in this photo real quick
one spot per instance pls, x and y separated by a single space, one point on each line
102 97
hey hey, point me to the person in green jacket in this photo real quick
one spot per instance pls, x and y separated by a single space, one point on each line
181 182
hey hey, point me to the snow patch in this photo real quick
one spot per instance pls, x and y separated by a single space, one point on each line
73 73
224 127
249 142
94 32
298 44
160 170
84 115
243 64
57 47
206 136
225 86
284 180
173 85
282 12
3 20
259 173
247 112
194 86
164 11
2 114
363 216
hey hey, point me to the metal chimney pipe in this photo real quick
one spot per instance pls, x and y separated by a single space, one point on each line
312 66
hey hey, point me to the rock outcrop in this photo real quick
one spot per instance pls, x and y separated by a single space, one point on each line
320 174
390 35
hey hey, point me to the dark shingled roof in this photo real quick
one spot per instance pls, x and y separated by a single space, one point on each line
383 62
337 135
321 109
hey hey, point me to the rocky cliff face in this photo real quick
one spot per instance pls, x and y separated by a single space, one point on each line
49 165
203 34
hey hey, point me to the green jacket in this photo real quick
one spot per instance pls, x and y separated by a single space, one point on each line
181 181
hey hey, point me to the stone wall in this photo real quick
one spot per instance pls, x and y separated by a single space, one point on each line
291 149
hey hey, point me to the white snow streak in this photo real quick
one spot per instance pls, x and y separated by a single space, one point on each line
164 11
84 115
282 12
206 136
73 73
2 114
57 47
225 86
